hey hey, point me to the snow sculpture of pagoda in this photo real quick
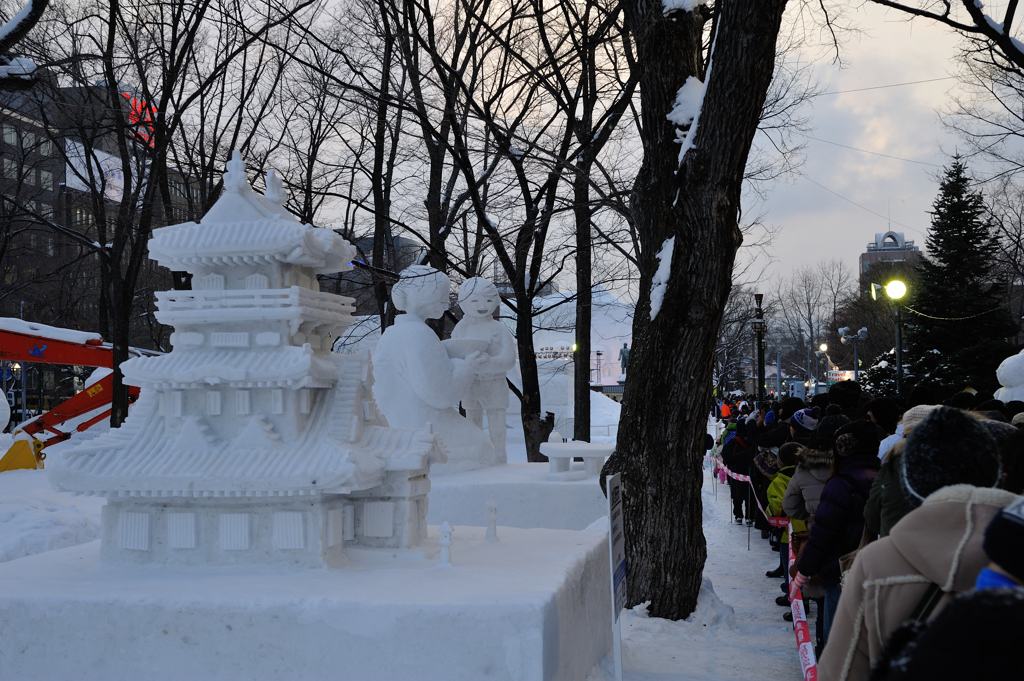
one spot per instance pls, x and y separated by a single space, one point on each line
251 441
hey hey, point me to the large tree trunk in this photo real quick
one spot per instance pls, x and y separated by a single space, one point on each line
668 388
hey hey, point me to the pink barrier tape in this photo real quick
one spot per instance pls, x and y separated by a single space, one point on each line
774 521
804 642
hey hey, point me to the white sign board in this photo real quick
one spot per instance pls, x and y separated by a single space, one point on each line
617 563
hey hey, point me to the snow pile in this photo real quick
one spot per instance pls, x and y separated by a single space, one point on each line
34 518
688 101
604 411
659 284
681 5
710 619
44 331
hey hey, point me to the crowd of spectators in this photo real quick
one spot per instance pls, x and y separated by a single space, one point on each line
908 526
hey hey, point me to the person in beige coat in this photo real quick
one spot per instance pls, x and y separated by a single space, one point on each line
939 542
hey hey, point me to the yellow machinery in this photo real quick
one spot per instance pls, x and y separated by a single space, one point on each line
25 453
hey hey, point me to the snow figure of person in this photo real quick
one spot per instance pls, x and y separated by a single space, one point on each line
478 299
416 382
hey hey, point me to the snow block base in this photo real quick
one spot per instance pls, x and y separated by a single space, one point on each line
526 498
533 605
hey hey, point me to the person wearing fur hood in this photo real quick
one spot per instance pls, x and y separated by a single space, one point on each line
949 470
814 468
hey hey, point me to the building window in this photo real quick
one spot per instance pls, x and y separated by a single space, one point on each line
46 180
30 176
10 169
10 134
46 147
50 247
28 140
46 210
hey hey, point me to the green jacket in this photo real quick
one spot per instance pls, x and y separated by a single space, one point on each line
776 493
887 503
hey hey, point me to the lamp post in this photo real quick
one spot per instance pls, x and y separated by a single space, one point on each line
895 290
19 372
847 337
759 333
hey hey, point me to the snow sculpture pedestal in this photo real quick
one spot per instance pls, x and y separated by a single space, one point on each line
531 607
527 495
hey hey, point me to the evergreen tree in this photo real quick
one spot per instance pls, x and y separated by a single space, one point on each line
880 378
956 323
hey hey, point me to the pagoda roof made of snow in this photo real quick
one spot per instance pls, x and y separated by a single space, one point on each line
290 366
141 459
239 241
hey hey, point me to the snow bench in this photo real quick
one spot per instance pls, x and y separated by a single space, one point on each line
561 454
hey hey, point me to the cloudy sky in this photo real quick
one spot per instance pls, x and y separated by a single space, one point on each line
842 197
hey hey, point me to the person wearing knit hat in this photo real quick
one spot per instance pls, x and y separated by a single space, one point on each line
839 518
949 447
805 421
888 502
1004 546
950 466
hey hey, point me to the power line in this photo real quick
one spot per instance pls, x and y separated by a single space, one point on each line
882 87
864 208
873 153
953 319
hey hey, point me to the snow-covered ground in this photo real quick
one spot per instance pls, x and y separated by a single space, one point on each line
737 631
34 518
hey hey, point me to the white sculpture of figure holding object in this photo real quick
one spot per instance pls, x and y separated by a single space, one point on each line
478 299
416 380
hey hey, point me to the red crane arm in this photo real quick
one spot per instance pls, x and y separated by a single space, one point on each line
20 347
90 399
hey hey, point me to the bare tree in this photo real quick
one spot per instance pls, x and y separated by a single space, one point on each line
686 206
136 70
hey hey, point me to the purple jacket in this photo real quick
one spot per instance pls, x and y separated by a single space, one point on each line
839 519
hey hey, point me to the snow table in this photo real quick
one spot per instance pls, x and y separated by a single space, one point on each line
561 455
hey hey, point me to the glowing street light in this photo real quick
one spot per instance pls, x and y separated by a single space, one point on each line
895 289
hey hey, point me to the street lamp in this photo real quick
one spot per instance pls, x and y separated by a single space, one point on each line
759 333
847 337
19 373
821 351
895 290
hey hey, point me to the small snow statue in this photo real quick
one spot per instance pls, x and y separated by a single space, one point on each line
492 520
445 559
478 299
1011 376
417 382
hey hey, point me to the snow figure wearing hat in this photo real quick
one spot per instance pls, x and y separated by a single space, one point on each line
416 381
478 299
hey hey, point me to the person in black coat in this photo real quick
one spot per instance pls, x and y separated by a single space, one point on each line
976 636
839 519
737 455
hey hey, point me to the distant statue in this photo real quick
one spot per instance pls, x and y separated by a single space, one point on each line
478 299
416 380
624 358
